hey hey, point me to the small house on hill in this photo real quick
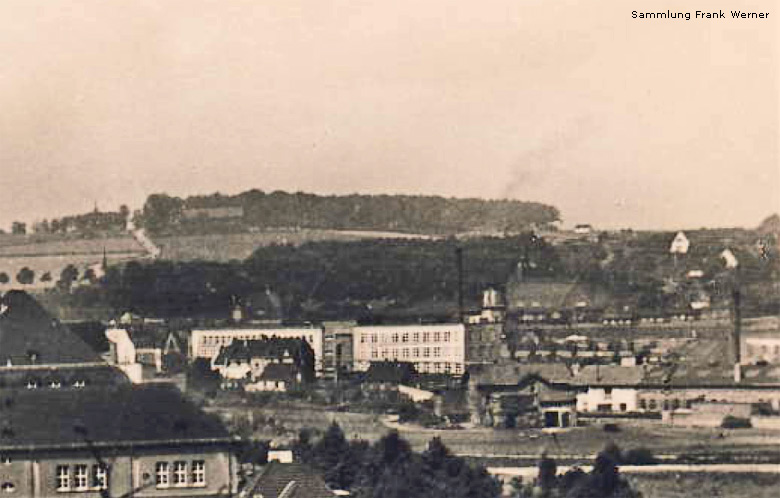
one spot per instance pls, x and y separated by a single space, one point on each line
288 480
243 363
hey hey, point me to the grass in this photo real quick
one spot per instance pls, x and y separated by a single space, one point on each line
706 485
239 246
291 416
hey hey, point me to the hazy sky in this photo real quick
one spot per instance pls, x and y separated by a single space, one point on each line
617 121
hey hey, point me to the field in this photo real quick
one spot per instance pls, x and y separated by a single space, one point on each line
239 246
707 485
51 253
582 443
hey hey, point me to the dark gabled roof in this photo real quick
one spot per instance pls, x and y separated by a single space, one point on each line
53 418
280 371
510 373
394 372
292 479
267 347
30 335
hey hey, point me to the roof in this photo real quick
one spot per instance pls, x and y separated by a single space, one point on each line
30 335
132 414
553 295
513 373
609 375
266 347
280 371
396 372
66 376
290 480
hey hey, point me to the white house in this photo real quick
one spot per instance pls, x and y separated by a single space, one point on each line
680 244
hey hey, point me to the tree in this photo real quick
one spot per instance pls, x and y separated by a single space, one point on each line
68 275
19 228
4 278
46 277
25 276
548 470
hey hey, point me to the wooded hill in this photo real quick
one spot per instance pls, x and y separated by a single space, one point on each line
257 210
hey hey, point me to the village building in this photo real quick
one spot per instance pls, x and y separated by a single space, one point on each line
265 364
287 480
513 395
207 342
437 348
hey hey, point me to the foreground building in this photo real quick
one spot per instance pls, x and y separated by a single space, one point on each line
124 441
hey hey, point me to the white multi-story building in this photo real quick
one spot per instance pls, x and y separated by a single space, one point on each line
206 343
439 348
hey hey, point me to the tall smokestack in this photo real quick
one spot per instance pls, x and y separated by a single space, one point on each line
459 257
735 336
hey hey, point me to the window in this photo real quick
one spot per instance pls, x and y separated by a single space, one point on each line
643 404
179 473
32 384
427 352
199 473
78 384
162 474
607 392
416 337
395 337
8 487
436 336
405 337
99 477
55 384
653 404
447 337
437 352
80 477
623 407
62 478
426 336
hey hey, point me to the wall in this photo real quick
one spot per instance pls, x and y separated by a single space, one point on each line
432 348
131 474
619 399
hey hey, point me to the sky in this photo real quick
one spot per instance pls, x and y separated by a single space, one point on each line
618 122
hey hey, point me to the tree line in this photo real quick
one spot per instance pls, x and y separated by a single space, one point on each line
400 213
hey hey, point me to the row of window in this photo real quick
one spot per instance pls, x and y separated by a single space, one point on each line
396 337
427 352
224 340
180 473
666 404
81 477
54 384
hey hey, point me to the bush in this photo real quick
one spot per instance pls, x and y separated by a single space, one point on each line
639 456
731 422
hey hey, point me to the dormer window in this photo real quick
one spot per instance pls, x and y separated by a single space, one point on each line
78 384
8 487
32 384
55 384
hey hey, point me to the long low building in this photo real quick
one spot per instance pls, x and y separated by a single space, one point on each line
439 348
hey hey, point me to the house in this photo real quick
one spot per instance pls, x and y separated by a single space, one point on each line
680 244
121 441
337 348
388 375
288 480
522 395
583 229
207 342
244 363
609 388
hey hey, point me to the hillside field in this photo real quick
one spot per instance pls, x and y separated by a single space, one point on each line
239 246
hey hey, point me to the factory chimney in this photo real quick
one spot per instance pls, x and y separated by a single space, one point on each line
459 257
